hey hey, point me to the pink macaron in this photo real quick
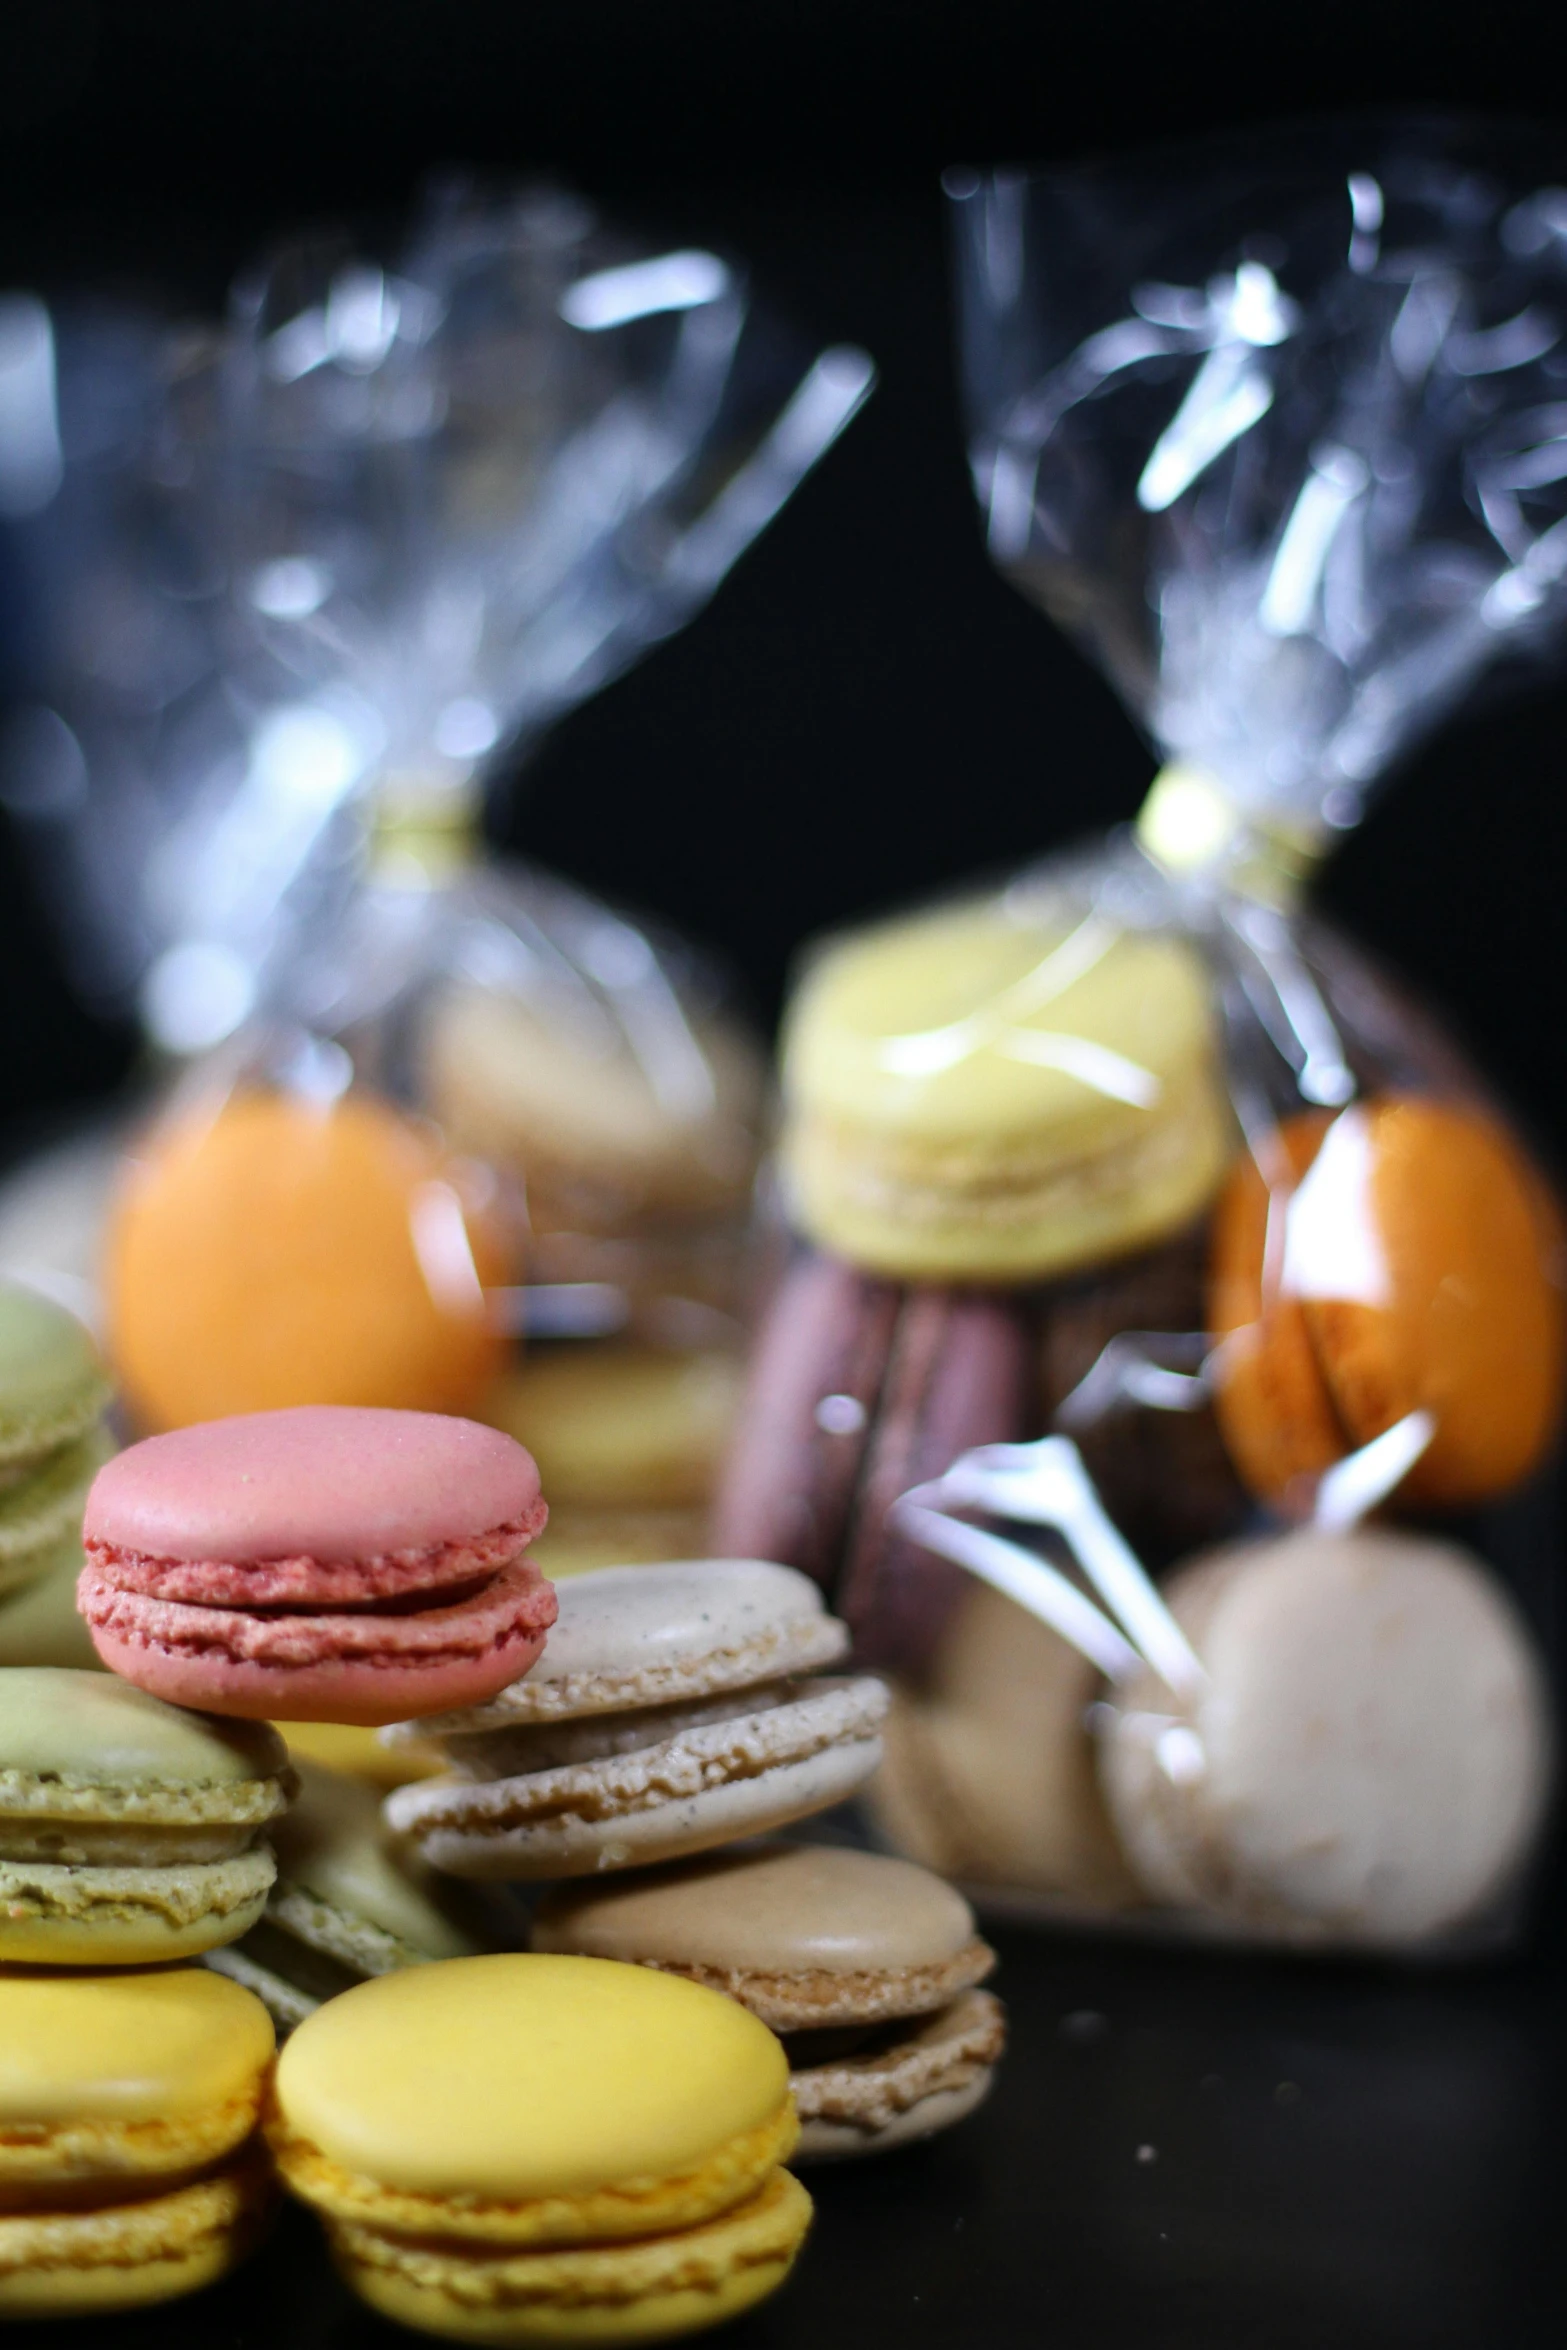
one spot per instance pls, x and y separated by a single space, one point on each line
328 1564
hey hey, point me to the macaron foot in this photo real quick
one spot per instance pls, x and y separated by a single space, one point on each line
650 2291
131 2255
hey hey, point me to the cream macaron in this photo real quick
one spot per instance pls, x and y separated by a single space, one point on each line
1366 1759
674 1709
867 1966
1000 1091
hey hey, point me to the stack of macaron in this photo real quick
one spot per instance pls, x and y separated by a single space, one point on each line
681 1709
1026 1202
53 1395
518 2149
133 1836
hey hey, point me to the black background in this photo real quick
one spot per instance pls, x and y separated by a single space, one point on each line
865 712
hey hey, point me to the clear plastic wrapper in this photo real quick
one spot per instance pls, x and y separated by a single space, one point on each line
1218 1215
293 586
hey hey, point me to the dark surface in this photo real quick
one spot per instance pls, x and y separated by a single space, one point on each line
1192 2154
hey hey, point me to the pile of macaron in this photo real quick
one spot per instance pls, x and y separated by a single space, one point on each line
617 2104
1023 1201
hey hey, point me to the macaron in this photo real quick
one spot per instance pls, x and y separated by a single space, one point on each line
347 1905
267 1249
610 1127
866 1965
1402 1256
328 1563
1000 1091
130 1832
542 2149
1367 1759
126 2104
677 1707
621 1426
39 1624
41 1514
578 1540
53 1390
351 1748
856 1391
989 1768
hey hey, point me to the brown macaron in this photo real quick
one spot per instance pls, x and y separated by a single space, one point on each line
1403 1255
867 1966
857 1391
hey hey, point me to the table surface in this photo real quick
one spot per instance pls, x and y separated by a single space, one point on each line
1181 2149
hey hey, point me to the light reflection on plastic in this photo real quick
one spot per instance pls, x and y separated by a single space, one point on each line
195 995
641 289
291 588
1332 1247
440 1237
31 462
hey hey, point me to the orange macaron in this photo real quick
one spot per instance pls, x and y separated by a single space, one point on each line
1401 1255
268 1249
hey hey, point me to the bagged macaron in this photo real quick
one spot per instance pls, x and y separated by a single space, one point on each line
131 1832
522 2149
129 2169
867 1966
676 1708
323 1564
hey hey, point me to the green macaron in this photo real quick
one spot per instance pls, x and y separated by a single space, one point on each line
52 1383
39 1623
348 1904
43 1512
130 1830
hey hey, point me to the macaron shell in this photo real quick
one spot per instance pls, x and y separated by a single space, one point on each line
266 1250
111 1751
140 2049
52 1383
555 2100
328 1482
333 1851
370 1669
132 2255
812 1387
628 1637
959 1375
654 2291
1475 1326
924 2078
1375 1743
63 1916
744 1776
39 1624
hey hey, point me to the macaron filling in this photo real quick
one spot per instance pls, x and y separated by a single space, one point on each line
305 1583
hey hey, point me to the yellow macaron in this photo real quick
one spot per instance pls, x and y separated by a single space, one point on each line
126 2104
544 2149
1001 1091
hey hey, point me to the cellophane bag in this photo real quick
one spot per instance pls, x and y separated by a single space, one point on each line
1149 1232
290 589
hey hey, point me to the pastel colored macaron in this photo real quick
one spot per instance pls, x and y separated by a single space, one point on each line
126 2104
543 2149
1367 1758
857 1390
347 1905
606 1136
621 1426
131 1832
1402 1256
866 1965
989 1769
53 1389
1000 1091
41 1514
267 1249
39 1622
677 1707
327 1563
